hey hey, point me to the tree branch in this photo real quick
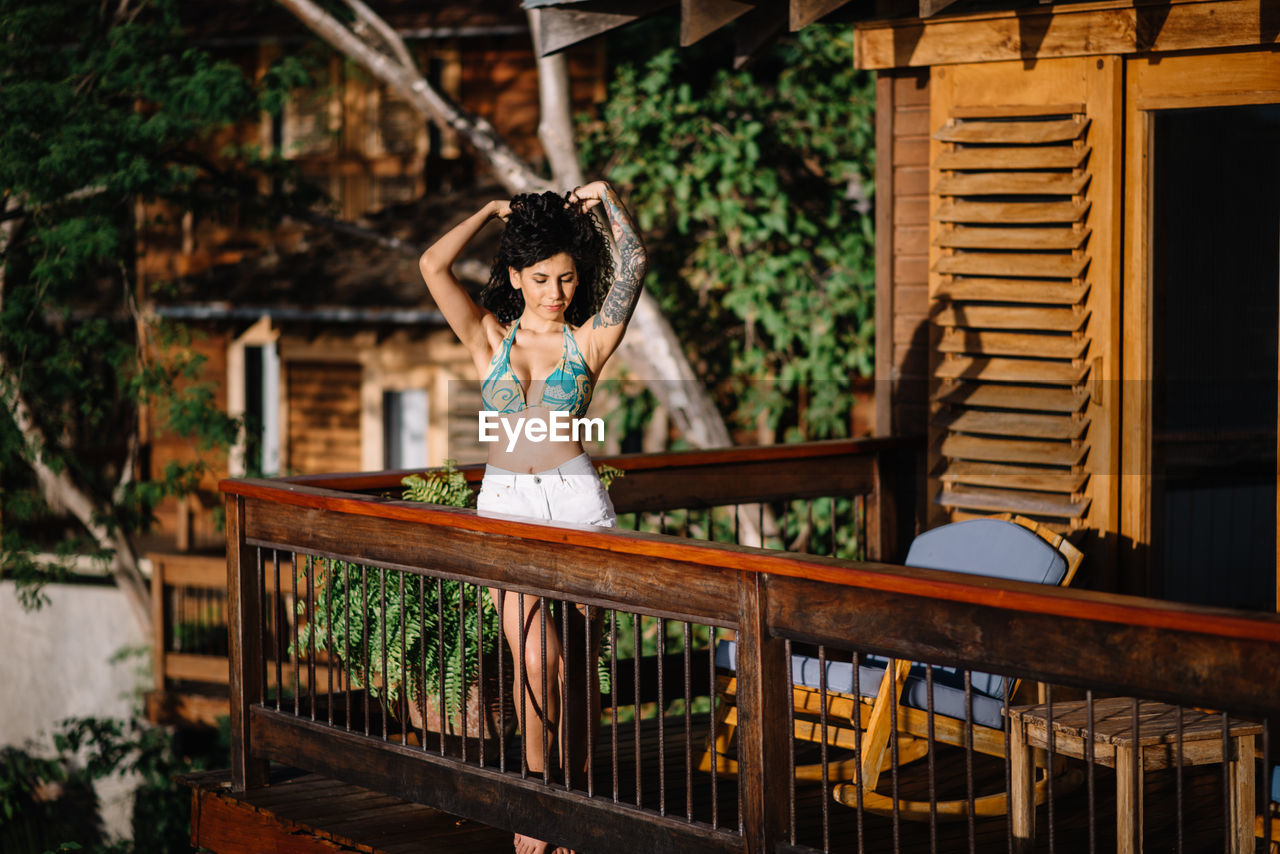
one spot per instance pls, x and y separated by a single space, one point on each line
388 35
511 169
57 486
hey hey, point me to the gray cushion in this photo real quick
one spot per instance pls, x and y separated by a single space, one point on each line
948 684
1275 784
991 547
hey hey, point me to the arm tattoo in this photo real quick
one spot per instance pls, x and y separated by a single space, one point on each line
629 273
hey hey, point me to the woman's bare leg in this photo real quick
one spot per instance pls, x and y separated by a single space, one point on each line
538 710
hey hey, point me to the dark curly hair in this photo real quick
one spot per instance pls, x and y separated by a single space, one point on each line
542 225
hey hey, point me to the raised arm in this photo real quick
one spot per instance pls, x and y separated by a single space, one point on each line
464 317
607 327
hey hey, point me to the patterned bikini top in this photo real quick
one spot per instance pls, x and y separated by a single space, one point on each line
567 387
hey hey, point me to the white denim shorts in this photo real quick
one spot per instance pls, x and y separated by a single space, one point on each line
570 492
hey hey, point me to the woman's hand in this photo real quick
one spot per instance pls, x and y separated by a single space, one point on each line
588 196
501 208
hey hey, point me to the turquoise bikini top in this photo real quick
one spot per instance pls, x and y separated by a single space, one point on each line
567 388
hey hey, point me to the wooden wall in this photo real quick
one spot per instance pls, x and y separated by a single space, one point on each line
324 416
902 252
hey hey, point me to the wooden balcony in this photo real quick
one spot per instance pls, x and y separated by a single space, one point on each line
662 778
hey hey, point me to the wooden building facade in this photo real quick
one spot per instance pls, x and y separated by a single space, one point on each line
1077 265
328 344
1078 278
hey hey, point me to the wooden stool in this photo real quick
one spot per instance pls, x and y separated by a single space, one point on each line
1115 747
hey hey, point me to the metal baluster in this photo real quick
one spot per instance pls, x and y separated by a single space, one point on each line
1266 789
826 776
662 712
293 634
462 649
564 740
546 694
330 658
637 628
484 710
808 507
1177 758
1049 736
422 655
834 540
737 537
346 590
1089 747
1136 778
501 597
404 663
688 726
311 634
613 689
857 744
262 626
891 672
367 654
712 745
522 702
933 771
386 681
440 659
593 720
1227 805
791 754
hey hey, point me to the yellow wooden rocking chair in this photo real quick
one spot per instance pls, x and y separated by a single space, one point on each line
1004 547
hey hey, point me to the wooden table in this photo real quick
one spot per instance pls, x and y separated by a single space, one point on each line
1115 746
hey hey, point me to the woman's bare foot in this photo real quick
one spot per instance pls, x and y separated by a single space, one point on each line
529 845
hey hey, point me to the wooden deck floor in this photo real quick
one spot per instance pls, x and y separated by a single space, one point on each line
317 814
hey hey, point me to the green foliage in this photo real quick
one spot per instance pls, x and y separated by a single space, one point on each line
753 192
382 624
106 106
48 803
445 485
427 624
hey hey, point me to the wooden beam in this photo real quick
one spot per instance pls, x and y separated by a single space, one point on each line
1084 29
929 8
700 18
755 32
805 12
486 795
562 27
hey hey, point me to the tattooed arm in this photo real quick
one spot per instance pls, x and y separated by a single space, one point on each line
604 331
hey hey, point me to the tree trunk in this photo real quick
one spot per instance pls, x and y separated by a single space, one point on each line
57 486
650 347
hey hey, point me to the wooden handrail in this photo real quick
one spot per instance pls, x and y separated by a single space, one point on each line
712 458
1151 649
1016 596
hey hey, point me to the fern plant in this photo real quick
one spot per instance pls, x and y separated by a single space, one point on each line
430 633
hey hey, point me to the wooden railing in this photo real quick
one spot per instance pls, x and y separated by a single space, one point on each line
774 602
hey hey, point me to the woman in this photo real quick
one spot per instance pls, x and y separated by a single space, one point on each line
546 325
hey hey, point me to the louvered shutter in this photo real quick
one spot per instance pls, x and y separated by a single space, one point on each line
1011 356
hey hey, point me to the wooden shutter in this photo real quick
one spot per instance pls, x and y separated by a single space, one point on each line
324 416
1011 324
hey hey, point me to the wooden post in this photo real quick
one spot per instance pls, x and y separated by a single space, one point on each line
244 637
1022 806
1242 794
159 630
764 735
879 517
1129 799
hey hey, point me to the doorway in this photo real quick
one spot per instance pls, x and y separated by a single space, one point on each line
1214 314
